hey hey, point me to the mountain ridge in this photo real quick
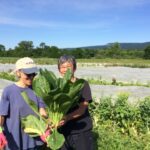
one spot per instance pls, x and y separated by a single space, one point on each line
125 46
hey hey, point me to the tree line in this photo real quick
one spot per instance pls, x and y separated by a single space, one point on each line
26 48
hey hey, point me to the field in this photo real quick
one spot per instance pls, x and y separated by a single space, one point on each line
141 63
106 81
121 92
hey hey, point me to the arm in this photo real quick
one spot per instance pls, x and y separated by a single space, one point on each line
78 112
75 114
4 109
42 106
43 112
3 141
85 100
1 120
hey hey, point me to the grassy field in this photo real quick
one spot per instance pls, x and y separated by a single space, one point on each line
139 63
142 63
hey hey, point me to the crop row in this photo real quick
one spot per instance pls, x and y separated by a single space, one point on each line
121 126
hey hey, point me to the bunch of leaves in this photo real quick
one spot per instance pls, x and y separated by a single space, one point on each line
106 108
118 112
59 95
125 115
144 108
119 124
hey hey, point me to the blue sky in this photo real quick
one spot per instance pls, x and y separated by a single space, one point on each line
74 23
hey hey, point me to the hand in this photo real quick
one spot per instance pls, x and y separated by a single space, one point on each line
3 141
43 112
62 122
45 135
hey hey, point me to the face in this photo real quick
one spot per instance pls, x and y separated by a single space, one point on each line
63 68
26 79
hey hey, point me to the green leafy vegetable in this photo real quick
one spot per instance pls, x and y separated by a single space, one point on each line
59 96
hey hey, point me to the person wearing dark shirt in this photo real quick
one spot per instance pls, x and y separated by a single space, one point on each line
13 107
76 126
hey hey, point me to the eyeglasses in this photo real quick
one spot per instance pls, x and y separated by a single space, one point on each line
31 75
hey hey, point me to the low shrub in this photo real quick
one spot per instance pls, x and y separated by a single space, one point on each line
119 125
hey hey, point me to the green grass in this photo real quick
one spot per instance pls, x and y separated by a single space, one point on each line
12 60
116 83
142 63
7 76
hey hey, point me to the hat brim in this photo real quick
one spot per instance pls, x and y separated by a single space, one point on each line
29 70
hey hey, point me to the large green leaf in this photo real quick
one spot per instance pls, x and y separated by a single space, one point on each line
63 101
55 140
51 78
66 106
31 103
68 75
67 87
63 81
76 88
60 98
60 83
41 86
33 125
55 91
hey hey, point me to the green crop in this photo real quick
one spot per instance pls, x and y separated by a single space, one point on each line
59 95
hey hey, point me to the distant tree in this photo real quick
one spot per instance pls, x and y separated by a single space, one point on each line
114 47
24 48
10 53
78 53
55 52
65 52
114 50
2 47
147 52
89 53
25 45
42 45
2 50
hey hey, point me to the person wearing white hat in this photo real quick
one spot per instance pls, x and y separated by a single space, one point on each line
13 107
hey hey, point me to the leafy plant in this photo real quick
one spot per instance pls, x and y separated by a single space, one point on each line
7 76
118 125
144 108
59 96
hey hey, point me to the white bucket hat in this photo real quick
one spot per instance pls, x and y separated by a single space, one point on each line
26 65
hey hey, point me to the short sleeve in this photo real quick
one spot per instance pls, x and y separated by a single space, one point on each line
4 103
86 93
41 104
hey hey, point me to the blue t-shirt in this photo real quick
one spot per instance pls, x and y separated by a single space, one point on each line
14 107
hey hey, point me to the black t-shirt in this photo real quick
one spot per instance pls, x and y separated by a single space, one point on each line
84 122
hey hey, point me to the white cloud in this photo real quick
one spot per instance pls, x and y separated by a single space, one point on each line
88 4
82 5
48 24
14 12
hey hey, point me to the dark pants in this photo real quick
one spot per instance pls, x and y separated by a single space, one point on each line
81 141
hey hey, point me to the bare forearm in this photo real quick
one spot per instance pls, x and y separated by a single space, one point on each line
43 112
1 120
74 115
79 112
